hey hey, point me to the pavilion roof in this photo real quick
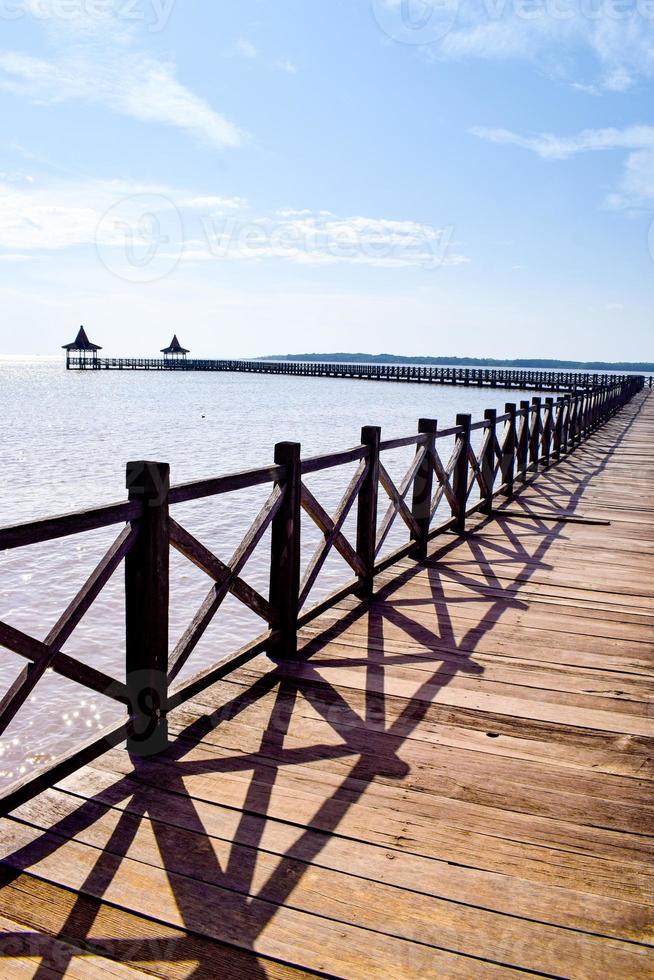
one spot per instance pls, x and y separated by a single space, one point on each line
175 347
81 342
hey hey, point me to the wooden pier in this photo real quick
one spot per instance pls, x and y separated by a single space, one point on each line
443 771
556 381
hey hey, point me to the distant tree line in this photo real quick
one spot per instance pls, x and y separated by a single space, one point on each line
525 362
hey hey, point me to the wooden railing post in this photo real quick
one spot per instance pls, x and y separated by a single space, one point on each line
367 511
524 440
147 583
285 556
583 414
422 488
558 428
488 460
547 430
567 409
509 450
574 421
534 441
460 474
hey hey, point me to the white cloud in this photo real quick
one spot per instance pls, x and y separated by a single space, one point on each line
246 48
637 183
65 214
101 62
322 238
586 89
286 65
552 147
618 36
120 216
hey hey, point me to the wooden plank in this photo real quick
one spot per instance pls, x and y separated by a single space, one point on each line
452 780
523 703
50 528
184 492
24 952
135 941
392 864
443 829
278 931
488 734
307 887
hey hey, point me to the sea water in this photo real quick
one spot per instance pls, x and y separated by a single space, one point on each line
66 437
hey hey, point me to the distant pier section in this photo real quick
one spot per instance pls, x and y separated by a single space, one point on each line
82 355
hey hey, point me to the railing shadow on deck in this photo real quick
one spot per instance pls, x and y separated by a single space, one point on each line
204 886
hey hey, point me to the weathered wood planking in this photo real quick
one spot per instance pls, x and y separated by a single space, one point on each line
454 780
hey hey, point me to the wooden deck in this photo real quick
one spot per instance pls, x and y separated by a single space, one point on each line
455 781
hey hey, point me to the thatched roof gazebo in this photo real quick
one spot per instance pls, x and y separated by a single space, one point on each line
82 346
175 349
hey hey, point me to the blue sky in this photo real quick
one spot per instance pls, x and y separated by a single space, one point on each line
414 176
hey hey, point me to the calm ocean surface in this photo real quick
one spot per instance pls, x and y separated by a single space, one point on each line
66 437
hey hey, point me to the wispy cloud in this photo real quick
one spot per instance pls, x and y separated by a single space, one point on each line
323 238
637 183
246 48
619 37
102 62
552 147
286 65
118 216
58 215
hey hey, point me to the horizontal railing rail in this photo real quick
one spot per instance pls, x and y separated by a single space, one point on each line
423 374
451 476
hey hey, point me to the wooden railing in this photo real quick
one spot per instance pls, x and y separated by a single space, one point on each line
511 449
557 381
